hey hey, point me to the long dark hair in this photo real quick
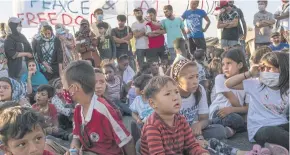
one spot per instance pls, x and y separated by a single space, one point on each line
237 56
280 61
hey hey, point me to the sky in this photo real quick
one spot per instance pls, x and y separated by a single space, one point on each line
249 7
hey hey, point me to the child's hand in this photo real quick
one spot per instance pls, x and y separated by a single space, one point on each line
197 129
254 70
225 112
139 121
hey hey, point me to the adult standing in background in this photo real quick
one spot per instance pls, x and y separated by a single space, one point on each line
49 53
282 16
16 48
139 32
122 36
174 28
263 21
156 38
242 25
195 31
86 43
99 17
67 44
228 21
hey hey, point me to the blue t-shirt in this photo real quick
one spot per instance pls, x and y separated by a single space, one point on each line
194 22
142 108
280 47
173 29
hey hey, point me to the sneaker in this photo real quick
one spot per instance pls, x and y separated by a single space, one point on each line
276 149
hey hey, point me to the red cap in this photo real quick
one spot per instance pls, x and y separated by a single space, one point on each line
222 4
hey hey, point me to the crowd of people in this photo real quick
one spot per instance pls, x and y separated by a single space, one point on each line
185 95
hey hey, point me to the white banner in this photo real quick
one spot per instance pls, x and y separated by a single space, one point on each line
71 12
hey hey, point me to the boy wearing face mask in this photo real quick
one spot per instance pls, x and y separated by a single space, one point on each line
263 21
99 17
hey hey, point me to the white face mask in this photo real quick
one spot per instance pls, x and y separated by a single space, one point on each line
19 29
262 7
269 79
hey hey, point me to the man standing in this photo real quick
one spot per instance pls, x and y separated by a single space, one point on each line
139 32
228 21
174 27
263 21
242 26
195 30
99 16
122 36
156 39
282 16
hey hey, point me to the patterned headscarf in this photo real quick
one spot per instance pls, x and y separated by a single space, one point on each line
177 67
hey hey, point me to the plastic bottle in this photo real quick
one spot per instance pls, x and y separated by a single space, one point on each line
73 151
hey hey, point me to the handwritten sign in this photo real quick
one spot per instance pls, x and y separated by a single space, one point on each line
71 12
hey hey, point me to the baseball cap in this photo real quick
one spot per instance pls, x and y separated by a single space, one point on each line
223 3
14 20
273 34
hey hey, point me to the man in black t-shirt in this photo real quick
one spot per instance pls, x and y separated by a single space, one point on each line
122 36
228 21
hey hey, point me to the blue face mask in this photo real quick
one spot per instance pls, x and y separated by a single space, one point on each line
59 31
100 17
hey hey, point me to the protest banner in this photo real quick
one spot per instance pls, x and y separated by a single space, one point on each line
71 12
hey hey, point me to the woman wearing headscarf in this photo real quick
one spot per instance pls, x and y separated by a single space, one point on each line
67 44
16 48
37 36
14 91
49 53
86 43
33 77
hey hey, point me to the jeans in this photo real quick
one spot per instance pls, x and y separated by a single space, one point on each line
233 120
273 134
214 131
154 54
196 43
172 55
124 108
140 53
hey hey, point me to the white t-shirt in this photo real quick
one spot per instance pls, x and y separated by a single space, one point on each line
266 107
128 75
191 110
143 109
220 100
283 22
142 42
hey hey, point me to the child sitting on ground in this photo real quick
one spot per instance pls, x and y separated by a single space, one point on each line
180 49
97 127
166 131
276 45
43 98
22 132
100 90
140 108
258 54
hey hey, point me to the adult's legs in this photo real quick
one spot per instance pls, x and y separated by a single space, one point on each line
172 54
192 45
214 131
152 55
273 134
200 43
140 53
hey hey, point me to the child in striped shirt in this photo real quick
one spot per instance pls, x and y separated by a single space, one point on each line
166 131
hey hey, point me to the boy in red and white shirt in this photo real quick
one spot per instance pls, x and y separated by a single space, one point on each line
97 128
